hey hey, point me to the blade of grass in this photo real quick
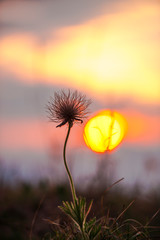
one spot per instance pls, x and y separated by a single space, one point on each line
154 215
35 216
113 184
123 212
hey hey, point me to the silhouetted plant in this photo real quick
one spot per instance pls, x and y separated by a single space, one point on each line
67 108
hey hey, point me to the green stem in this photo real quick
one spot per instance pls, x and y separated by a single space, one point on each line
66 166
83 235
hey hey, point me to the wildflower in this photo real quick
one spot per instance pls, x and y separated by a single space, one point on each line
68 108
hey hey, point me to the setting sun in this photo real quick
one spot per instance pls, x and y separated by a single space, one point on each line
104 131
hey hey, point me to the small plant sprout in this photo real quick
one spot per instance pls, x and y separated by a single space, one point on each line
69 108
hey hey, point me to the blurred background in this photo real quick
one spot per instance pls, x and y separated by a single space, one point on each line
108 50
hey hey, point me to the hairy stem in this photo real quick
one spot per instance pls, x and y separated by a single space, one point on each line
66 166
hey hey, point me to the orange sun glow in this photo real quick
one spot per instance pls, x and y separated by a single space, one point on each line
104 131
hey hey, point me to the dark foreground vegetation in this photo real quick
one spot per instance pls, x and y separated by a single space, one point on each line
29 212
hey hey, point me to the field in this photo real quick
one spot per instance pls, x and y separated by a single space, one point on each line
31 212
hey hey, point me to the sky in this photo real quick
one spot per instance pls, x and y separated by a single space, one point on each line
108 50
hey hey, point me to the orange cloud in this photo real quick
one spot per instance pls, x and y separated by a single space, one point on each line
142 129
34 134
117 53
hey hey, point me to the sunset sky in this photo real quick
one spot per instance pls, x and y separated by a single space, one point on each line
109 50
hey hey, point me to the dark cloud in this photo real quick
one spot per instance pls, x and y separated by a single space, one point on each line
19 99
22 100
43 16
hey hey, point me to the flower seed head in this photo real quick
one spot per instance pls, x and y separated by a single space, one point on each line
67 107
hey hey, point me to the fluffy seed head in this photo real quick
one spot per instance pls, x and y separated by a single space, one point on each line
67 107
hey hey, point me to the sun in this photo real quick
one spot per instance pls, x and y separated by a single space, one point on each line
104 131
